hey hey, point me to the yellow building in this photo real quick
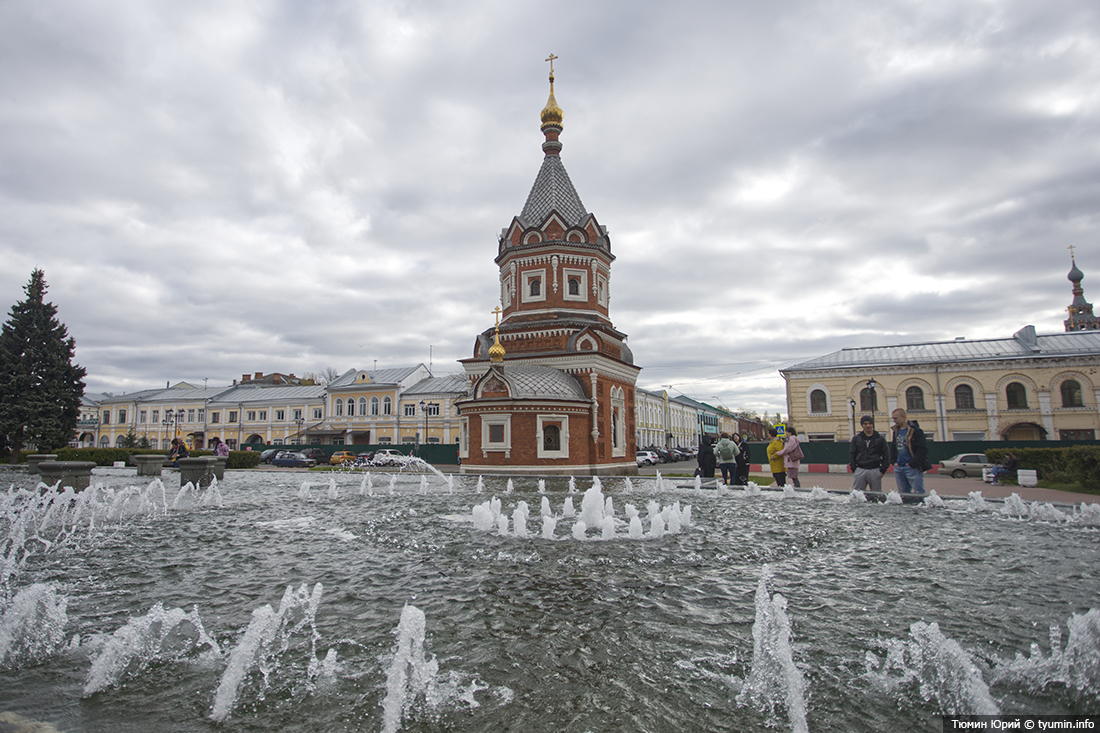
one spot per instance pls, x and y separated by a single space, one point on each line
1028 387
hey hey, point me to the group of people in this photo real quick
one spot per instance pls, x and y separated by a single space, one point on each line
870 456
179 450
785 456
730 453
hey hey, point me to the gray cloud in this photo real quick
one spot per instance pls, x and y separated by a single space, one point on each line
217 190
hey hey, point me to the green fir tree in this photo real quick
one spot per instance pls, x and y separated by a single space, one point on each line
40 387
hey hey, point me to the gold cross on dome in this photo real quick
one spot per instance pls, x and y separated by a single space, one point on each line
551 60
1070 248
496 315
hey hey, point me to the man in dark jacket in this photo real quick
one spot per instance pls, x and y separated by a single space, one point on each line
868 456
909 453
707 460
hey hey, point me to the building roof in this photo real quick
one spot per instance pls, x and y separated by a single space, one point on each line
257 393
535 381
455 383
1025 344
377 376
552 191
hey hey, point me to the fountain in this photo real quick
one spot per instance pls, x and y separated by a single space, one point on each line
264 602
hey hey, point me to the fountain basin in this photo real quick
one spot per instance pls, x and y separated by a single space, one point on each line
556 634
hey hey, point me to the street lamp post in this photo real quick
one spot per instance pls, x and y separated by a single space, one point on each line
299 421
169 421
871 384
852 404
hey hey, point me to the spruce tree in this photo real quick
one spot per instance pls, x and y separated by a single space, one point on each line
40 387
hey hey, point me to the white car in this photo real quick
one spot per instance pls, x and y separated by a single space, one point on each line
388 457
648 458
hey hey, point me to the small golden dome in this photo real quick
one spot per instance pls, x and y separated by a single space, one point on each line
496 351
551 113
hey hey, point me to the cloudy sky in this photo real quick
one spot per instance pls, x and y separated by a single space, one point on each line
222 188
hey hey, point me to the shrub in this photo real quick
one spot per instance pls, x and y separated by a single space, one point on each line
1077 464
243 459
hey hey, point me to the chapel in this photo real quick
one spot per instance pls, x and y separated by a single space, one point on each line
552 381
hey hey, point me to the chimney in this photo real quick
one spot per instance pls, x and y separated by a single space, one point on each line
246 378
259 375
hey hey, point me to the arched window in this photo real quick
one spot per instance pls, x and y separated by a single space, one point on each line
1016 395
1071 394
387 405
868 400
374 405
914 398
535 286
818 403
351 407
964 397
574 286
362 406
339 408
551 437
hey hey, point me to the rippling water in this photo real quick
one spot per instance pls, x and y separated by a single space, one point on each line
562 635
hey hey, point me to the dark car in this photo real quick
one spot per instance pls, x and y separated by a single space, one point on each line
292 459
365 458
316 454
269 455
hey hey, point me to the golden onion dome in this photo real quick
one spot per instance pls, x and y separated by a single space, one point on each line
496 351
551 113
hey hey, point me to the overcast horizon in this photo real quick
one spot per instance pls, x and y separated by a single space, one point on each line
216 189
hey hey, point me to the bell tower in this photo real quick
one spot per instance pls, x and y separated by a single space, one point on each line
1081 317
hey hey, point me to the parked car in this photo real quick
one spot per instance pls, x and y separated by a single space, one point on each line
683 454
388 457
268 455
648 458
316 454
965 464
341 457
365 458
292 459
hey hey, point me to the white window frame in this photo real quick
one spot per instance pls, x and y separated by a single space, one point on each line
582 275
504 446
525 290
551 418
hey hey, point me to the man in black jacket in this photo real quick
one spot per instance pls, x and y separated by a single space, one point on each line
868 456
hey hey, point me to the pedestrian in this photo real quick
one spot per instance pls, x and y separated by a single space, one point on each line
742 460
706 458
868 456
1007 467
775 460
726 452
909 453
792 456
178 451
220 448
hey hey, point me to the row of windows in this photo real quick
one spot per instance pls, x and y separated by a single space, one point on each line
198 415
534 287
375 407
1015 396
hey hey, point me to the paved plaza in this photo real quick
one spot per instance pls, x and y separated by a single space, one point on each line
945 486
